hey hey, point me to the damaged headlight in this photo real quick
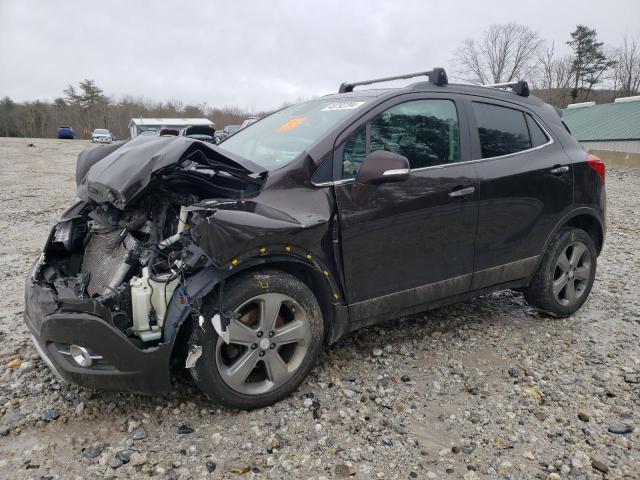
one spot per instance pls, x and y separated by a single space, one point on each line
69 234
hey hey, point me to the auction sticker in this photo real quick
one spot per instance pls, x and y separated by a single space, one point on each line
341 106
292 124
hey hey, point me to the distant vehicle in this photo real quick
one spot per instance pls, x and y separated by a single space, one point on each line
249 121
227 131
66 133
231 129
204 133
101 135
169 131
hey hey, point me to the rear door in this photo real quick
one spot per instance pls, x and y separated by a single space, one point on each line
410 242
526 185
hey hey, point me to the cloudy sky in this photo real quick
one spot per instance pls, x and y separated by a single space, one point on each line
258 54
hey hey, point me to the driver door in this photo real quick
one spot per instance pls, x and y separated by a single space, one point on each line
405 244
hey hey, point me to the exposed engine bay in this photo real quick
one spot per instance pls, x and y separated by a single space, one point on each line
126 248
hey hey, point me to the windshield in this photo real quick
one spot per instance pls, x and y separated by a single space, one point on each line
279 138
100 130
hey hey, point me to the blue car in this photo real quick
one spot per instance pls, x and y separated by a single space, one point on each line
66 132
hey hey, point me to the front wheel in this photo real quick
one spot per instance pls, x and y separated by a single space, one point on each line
274 340
566 274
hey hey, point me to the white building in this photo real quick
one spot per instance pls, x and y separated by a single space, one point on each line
139 125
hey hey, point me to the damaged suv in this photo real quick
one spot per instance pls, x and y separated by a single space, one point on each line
239 261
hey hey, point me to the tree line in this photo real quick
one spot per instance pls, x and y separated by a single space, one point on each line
503 53
511 52
85 107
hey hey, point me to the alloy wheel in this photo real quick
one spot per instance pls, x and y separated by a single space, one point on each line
572 273
267 343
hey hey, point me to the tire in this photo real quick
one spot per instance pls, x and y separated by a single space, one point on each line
568 265
282 361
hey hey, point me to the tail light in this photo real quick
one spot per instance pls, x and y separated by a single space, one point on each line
598 165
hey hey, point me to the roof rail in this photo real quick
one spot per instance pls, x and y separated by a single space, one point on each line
437 76
520 87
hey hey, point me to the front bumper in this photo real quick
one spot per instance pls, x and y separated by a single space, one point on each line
124 367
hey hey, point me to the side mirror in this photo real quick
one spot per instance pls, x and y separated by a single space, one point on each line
381 166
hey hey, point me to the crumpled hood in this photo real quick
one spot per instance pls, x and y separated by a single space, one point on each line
119 175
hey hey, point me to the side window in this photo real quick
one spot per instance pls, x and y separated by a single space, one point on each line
424 131
355 149
502 130
538 137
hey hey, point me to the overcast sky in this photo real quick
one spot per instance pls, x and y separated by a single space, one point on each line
258 54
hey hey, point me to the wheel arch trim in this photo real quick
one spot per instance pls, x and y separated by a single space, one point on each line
568 217
323 285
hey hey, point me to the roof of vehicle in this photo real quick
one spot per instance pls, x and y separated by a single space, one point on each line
479 90
611 121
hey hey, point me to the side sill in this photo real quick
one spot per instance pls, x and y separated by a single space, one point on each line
390 304
504 273
436 304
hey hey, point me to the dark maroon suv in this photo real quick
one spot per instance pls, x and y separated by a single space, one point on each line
239 261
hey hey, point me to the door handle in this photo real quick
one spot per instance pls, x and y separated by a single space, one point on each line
462 192
560 170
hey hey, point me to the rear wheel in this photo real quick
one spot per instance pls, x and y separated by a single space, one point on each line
565 277
274 341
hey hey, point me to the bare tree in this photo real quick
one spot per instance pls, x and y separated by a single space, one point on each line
506 52
552 77
626 72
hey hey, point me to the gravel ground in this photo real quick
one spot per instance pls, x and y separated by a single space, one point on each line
484 389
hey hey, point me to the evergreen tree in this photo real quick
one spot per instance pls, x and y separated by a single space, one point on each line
91 95
71 96
589 61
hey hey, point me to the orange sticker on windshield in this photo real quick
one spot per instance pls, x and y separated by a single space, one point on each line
292 124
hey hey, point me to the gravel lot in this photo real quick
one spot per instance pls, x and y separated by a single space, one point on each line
484 389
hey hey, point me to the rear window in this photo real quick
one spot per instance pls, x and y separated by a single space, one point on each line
502 130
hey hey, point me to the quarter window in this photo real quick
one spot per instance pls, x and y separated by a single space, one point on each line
538 137
501 130
424 131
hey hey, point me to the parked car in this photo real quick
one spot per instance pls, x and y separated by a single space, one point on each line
226 132
204 133
66 133
249 121
101 135
241 261
231 129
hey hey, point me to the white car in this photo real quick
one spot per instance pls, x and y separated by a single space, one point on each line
101 135
249 121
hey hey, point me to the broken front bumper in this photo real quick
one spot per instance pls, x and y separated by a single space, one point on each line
119 365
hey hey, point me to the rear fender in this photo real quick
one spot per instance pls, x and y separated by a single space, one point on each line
566 220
